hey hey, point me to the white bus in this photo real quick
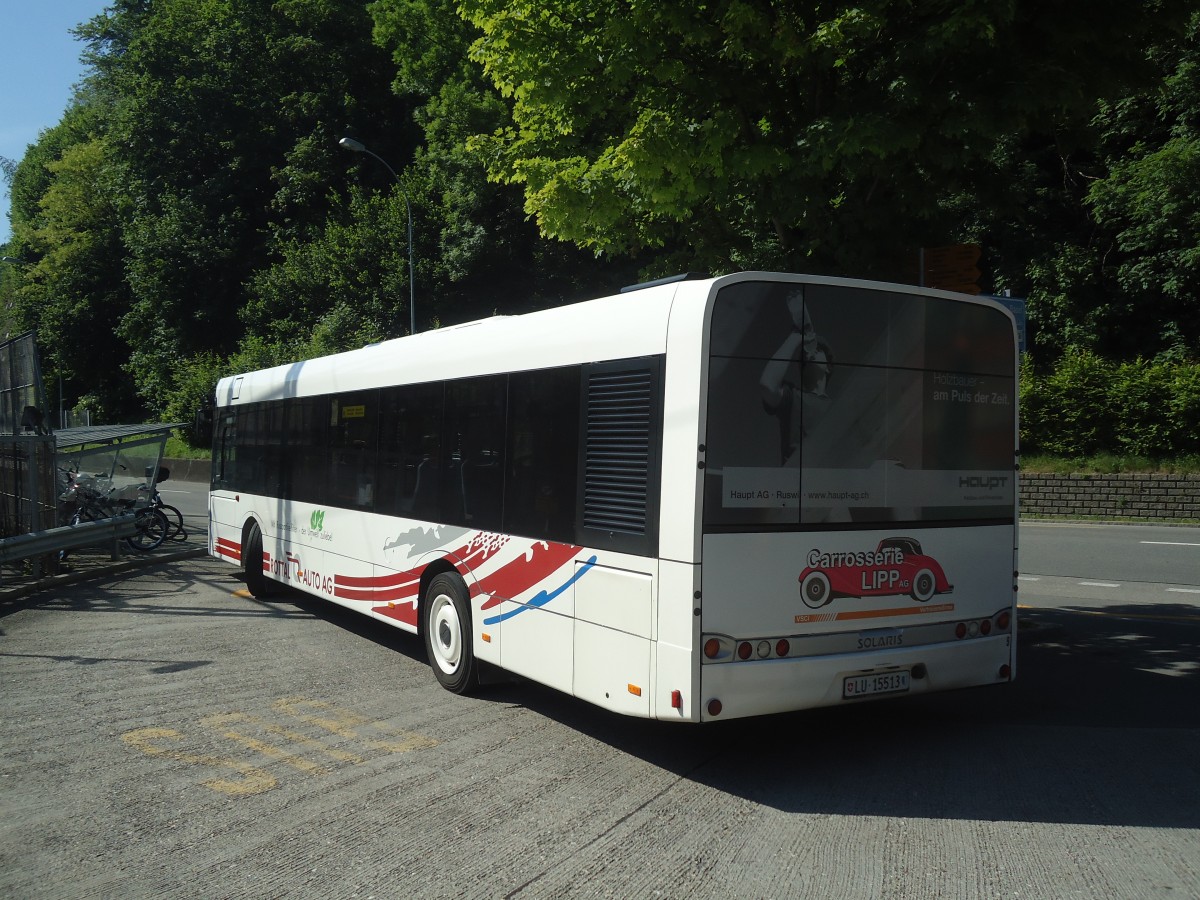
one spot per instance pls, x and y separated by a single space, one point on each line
699 499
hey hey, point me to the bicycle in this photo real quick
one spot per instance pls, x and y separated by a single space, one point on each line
150 524
175 528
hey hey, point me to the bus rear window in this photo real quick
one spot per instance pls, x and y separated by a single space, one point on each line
844 404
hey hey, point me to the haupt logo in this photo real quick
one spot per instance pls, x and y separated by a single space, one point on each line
982 482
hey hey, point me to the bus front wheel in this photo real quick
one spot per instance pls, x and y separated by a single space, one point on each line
446 613
257 583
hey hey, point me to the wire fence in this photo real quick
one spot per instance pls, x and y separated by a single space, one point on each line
28 486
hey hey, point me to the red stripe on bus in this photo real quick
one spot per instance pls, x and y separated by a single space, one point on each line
510 580
405 592
520 575
226 547
397 578
406 613
365 585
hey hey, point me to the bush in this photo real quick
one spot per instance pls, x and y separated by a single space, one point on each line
1090 406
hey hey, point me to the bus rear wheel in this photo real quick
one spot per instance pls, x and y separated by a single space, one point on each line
446 626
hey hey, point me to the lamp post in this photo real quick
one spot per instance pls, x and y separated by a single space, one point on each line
359 147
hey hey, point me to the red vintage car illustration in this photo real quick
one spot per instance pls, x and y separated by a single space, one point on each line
896 566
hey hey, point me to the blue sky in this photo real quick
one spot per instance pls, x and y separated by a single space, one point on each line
39 64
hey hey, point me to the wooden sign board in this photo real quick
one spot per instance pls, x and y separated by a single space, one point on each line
951 268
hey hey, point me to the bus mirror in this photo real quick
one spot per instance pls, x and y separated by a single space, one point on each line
202 427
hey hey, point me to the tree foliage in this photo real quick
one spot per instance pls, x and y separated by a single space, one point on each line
192 214
823 126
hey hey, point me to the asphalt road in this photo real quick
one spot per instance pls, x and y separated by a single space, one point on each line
165 735
1145 566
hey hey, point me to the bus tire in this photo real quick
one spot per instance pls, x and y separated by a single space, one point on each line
257 583
815 589
446 627
924 585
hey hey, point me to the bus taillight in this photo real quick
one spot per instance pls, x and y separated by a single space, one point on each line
783 648
744 650
1003 620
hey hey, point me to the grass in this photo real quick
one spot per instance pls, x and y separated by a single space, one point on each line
178 448
1109 464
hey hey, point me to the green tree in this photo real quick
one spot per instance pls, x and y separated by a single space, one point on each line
1150 204
478 252
225 115
66 229
802 135
1097 225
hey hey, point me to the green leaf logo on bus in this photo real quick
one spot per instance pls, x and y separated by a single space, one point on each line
317 521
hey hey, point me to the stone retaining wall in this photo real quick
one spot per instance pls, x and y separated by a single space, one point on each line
1105 496
1111 496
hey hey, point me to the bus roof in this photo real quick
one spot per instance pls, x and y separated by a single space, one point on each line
617 327
622 326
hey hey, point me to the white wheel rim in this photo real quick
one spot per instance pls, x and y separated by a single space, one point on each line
821 583
445 634
924 585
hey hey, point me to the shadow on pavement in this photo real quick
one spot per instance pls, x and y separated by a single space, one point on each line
1100 727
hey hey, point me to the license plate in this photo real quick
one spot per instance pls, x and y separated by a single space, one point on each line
866 685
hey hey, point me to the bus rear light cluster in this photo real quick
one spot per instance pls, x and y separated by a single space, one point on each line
721 648
998 624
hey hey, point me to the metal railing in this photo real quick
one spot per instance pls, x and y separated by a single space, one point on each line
53 541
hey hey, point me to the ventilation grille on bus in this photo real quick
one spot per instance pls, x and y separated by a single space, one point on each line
617 467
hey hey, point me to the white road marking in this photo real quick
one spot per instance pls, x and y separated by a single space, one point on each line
1170 543
1097 584
1184 590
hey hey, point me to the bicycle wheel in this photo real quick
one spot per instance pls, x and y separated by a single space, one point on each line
175 529
76 518
151 531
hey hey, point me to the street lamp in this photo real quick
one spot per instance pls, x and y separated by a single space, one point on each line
359 147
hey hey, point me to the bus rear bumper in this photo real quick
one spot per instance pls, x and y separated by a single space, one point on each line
763 687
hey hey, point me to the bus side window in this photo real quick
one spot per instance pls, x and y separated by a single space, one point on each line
351 459
473 453
409 468
306 454
543 454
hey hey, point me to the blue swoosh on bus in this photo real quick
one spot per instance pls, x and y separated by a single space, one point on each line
541 598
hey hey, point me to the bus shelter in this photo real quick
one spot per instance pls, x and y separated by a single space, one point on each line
122 462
